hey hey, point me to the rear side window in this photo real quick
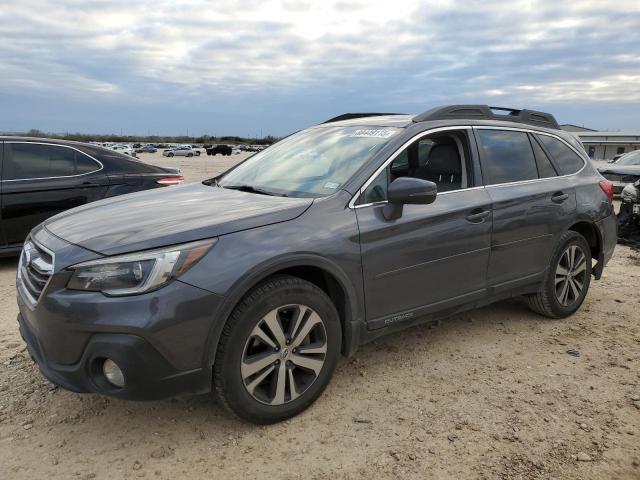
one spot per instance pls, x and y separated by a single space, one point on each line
84 164
507 156
545 169
566 159
33 160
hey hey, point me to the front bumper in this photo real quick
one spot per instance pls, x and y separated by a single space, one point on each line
158 339
148 375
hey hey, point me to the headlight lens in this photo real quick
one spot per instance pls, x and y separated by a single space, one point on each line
136 273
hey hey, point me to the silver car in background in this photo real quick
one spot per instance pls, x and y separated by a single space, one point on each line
184 151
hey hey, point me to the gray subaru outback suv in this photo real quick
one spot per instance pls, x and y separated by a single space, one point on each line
252 284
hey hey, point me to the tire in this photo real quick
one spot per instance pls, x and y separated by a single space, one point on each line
197 154
170 155
256 394
189 154
550 300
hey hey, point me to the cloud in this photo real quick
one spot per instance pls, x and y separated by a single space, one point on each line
278 55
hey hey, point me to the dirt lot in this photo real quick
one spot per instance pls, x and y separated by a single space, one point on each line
492 393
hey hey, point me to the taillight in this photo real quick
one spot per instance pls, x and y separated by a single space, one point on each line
607 188
170 180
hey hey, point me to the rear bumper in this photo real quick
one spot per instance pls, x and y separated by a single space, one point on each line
148 375
608 228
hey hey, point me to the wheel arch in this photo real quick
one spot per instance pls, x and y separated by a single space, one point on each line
317 270
592 235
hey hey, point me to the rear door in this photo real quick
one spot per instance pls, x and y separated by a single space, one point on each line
42 179
531 205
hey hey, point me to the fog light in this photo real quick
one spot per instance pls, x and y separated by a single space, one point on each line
113 373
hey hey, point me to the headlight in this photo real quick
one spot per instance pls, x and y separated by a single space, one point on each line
630 193
140 272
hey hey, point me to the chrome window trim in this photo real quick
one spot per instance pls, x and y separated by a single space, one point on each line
59 176
465 127
392 158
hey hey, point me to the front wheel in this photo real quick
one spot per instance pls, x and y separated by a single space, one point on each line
278 350
568 278
170 155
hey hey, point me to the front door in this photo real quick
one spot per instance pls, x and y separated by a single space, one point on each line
433 256
40 180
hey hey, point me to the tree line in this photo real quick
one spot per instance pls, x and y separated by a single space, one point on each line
113 138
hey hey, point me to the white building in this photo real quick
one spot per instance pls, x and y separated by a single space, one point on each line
605 145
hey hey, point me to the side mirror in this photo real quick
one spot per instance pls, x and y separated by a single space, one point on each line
410 191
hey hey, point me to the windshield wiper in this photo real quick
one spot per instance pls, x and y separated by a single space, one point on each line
252 189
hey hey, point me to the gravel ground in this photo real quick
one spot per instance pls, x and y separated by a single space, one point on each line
492 393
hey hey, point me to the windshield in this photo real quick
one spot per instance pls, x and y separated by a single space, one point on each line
311 163
631 158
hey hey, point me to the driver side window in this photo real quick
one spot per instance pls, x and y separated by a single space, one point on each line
442 158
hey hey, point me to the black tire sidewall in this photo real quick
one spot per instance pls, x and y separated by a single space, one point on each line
557 308
235 393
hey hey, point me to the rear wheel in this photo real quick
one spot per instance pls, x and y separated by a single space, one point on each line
189 154
278 350
568 279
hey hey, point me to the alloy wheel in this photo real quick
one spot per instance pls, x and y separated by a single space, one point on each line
284 354
570 275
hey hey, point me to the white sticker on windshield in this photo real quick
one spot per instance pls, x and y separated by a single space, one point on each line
331 185
372 133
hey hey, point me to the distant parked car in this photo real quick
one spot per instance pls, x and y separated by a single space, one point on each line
623 171
219 149
198 149
147 149
126 149
42 177
182 151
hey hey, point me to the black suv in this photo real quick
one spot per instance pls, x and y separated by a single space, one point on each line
220 149
253 283
42 177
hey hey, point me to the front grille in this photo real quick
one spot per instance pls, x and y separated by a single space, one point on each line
34 270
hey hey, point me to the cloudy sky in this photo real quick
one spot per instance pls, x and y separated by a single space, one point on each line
259 66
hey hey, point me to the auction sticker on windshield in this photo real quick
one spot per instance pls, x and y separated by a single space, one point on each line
372 133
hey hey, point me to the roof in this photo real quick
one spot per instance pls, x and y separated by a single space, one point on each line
16 138
569 127
466 113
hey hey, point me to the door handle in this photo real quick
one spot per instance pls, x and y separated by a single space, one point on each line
559 197
478 215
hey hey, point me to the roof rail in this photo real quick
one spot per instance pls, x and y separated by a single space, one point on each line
349 116
485 112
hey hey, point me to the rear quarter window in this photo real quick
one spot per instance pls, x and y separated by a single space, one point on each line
565 158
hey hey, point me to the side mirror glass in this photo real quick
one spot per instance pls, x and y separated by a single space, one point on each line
407 190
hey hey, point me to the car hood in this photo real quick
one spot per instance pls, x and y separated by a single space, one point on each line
168 216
